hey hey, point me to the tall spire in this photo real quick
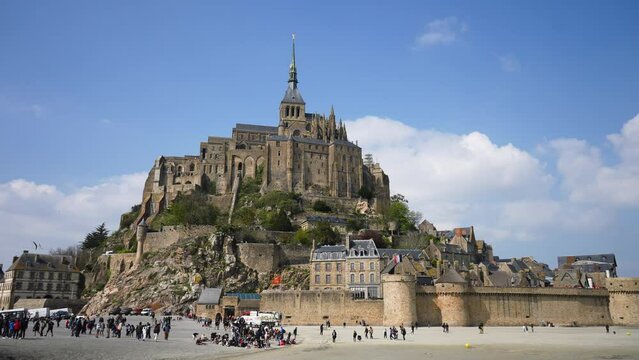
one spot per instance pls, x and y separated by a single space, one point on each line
292 72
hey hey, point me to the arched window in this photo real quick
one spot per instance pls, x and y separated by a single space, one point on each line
287 110
352 278
361 278
192 167
372 278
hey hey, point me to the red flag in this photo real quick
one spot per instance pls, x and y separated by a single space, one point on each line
277 280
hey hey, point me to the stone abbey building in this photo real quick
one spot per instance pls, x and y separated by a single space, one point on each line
306 153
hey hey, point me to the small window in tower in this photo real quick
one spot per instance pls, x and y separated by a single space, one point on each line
287 111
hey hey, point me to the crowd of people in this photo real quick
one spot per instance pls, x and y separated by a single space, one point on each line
13 328
98 326
240 334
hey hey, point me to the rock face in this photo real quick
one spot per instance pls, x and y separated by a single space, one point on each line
172 278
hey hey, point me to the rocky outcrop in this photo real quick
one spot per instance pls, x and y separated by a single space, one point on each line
172 278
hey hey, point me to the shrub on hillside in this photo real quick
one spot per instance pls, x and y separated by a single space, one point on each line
321 206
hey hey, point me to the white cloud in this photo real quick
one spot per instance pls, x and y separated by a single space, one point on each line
441 31
588 180
508 193
44 214
509 63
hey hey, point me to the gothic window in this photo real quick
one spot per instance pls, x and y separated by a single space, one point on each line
287 109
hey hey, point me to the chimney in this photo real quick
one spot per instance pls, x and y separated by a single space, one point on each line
15 258
347 242
25 251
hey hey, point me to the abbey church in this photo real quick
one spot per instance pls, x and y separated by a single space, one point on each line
306 153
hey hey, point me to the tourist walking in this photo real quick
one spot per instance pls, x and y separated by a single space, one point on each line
321 329
334 335
354 335
156 330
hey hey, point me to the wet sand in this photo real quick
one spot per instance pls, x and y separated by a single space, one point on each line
427 343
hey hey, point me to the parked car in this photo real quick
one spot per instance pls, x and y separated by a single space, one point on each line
146 312
136 311
61 314
126 311
115 311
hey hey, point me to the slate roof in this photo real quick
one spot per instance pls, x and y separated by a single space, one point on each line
256 128
607 258
293 95
451 277
500 279
414 254
210 296
29 261
331 248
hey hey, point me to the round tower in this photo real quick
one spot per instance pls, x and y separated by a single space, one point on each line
399 300
624 300
140 236
451 293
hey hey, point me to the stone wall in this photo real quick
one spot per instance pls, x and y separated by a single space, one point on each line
455 304
170 235
262 258
294 254
305 307
118 263
461 306
624 300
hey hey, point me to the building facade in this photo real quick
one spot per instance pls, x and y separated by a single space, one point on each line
356 266
306 153
38 276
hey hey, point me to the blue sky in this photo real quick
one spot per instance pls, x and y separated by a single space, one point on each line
92 92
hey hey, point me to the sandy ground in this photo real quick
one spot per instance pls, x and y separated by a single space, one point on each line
426 343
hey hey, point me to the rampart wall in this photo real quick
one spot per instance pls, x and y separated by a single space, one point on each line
308 307
458 305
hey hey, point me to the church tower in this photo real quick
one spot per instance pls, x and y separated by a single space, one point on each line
292 108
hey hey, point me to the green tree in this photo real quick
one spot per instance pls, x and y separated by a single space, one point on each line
96 238
277 221
401 214
244 216
323 234
302 237
321 206
192 209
